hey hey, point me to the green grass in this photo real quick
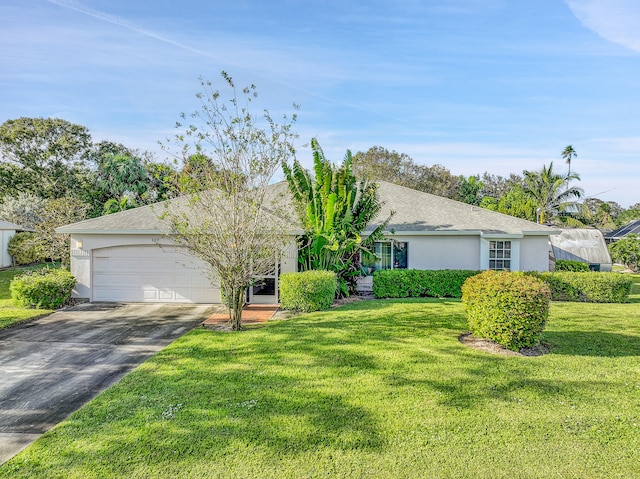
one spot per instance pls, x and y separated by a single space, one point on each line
10 314
374 389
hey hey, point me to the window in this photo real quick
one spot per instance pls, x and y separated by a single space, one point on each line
400 255
390 255
500 255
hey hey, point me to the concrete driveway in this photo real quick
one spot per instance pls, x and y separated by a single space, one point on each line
52 366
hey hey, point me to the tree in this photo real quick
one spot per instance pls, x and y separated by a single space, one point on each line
630 214
515 202
196 168
469 190
627 252
232 220
378 163
496 185
551 192
437 180
163 181
43 156
25 209
334 211
568 154
60 212
122 176
115 206
600 214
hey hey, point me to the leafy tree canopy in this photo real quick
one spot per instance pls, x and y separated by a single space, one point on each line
42 156
627 252
378 163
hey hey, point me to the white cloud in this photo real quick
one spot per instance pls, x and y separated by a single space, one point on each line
615 20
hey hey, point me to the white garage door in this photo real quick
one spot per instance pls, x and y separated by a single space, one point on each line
151 274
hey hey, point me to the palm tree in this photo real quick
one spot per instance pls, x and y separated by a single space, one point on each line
551 191
334 211
567 154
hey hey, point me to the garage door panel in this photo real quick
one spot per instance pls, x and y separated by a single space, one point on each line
141 273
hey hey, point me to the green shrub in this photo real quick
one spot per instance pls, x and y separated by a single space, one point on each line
415 283
588 287
307 291
44 288
25 248
627 252
510 308
569 265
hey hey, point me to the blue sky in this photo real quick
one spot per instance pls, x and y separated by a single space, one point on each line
474 85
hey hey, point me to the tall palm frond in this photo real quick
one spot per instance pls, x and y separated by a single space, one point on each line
551 191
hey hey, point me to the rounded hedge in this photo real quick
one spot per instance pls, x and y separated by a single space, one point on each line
25 248
510 308
44 288
307 291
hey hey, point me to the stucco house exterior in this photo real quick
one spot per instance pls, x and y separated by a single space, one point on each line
126 256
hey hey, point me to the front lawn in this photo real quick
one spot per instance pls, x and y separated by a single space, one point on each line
378 389
10 314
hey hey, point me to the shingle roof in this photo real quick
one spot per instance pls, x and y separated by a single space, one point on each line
415 212
147 219
144 219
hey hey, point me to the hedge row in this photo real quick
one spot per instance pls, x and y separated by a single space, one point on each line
415 283
569 265
44 288
508 308
307 291
588 287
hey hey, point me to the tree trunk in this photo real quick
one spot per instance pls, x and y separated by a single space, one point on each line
235 308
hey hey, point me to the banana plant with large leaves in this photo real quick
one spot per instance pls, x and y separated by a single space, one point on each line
334 209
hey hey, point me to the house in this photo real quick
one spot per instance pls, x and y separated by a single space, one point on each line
7 230
126 257
633 227
584 245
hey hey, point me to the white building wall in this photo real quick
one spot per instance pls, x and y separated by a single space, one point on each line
82 246
529 253
534 253
5 237
442 252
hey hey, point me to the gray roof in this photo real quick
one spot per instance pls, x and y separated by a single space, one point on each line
6 225
632 227
415 213
585 245
147 219
423 213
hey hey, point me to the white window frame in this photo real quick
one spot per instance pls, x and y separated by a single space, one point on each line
485 243
503 252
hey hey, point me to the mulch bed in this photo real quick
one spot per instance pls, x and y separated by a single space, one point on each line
489 346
